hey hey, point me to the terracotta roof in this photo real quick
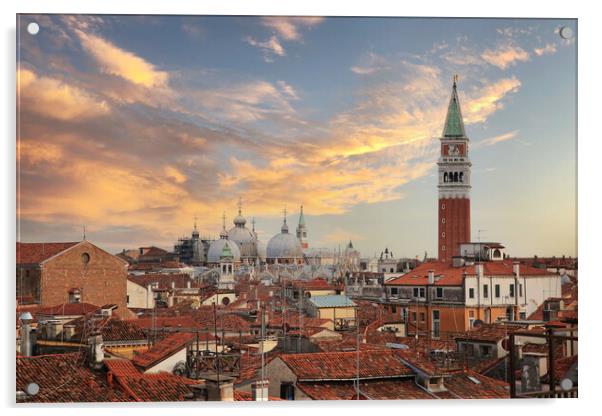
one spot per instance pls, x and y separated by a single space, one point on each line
68 309
34 253
63 378
463 386
165 348
447 275
489 332
342 365
166 322
399 389
121 367
164 280
244 396
110 327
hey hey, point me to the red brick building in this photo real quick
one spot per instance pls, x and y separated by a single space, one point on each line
50 274
454 183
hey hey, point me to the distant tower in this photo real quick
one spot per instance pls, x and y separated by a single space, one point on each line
454 182
226 268
302 230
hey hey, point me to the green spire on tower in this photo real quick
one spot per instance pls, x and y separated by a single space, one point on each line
454 125
226 252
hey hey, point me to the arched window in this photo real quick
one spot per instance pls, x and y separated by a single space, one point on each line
455 176
461 176
445 177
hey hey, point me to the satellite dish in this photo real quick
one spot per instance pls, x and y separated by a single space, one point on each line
566 384
477 323
32 389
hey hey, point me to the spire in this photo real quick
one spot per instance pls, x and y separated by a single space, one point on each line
223 233
239 205
284 228
301 218
239 220
195 231
454 124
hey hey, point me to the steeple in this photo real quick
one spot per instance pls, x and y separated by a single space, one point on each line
239 220
223 234
284 228
195 232
454 124
302 230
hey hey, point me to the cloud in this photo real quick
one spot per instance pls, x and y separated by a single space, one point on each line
289 28
57 99
339 235
270 47
479 107
370 64
549 49
116 61
505 56
175 174
497 139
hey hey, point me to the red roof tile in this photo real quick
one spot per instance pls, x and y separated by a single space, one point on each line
166 348
68 309
166 322
342 365
63 378
34 253
447 275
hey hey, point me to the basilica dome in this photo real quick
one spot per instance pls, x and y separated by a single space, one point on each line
217 246
284 245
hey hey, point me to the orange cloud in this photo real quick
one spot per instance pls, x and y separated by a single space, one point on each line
289 27
57 99
479 108
116 61
505 56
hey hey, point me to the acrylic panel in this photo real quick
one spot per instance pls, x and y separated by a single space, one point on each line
258 208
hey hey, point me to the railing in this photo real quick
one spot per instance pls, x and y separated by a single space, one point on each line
551 394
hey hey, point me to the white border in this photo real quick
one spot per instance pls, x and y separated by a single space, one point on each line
589 151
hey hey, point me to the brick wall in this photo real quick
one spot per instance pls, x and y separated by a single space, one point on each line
456 213
103 280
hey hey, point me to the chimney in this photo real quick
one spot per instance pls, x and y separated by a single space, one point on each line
97 354
220 388
260 390
431 277
68 331
516 268
479 269
26 334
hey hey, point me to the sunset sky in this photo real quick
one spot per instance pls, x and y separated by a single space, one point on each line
135 125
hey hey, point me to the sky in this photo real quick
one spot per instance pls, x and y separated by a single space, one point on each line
133 126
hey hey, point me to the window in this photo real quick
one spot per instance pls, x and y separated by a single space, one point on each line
511 291
392 270
442 220
485 291
443 234
127 299
287 391
485 350
497 291
414 316
469 348
85 258
418 292
471 293
443 205
439 292
422 317
520 289
394 291
394 309
442 248
435 315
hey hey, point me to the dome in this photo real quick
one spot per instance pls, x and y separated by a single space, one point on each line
239 220
216 248
261 250
284 245
241 235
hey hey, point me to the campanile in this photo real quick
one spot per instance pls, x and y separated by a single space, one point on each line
454 182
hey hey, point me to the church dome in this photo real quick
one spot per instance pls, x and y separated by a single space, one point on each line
241 235
216 248
284 245
261 250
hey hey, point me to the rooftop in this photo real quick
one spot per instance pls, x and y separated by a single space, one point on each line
331 301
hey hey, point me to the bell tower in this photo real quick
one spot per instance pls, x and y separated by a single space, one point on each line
454 182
